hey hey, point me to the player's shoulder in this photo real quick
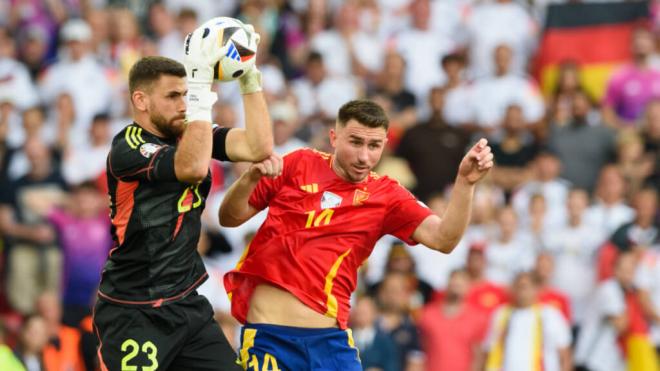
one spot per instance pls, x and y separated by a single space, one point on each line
384 180
390 186
307 154
133 136
313 153
134 140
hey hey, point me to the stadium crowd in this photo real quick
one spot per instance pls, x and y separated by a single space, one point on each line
560 266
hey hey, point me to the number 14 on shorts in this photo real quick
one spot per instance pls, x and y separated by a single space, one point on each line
133 348
269 363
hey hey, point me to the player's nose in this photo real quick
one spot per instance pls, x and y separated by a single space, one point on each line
363 154
181 105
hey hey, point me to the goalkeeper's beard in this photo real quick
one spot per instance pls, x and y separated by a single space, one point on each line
170 128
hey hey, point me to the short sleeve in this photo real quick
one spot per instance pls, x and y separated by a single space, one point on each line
404 214
644 276
611 300
133 159
267 188
220 143
557 328
648 270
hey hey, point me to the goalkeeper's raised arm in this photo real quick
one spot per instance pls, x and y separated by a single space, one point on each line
205 49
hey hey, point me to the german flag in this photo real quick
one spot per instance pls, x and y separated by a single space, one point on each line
594 35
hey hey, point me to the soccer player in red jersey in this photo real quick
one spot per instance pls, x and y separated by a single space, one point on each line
292 286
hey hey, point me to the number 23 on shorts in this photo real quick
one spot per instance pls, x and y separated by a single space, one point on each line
132 348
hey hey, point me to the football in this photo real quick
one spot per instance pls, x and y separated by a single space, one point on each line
241 49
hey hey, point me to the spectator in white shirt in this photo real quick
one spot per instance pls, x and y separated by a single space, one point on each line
15 86
207 8
511 252
526 335
347 49
320 95
422 49
574 247
647 278
546 168
494 23
33 127
87 162
538 224
597 347
448 18
458 102
163 25
494 93
99 22
285 125
609 211
648 273
73 74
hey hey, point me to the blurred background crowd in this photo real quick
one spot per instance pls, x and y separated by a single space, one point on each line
560 266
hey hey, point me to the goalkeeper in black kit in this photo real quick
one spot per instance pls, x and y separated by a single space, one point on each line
148 315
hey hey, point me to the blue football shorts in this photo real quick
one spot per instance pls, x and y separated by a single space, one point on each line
284 348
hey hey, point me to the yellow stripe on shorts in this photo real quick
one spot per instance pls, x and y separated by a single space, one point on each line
248 342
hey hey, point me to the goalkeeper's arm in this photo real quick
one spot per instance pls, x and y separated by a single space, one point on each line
193 155
255 143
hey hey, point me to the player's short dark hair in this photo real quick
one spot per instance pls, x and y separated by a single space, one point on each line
149 69
365 112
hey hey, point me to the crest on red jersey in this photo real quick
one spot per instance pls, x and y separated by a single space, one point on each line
359 197
330 200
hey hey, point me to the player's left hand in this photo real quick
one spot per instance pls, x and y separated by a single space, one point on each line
476 163
250 82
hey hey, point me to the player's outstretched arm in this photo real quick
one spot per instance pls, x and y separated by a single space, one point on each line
236 209
191 161
255 142
443 234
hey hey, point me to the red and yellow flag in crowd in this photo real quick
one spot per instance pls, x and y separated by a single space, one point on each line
594 35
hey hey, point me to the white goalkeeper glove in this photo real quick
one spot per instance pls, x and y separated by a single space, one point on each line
250 82
202 51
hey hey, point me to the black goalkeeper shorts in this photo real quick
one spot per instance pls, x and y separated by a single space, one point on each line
181 335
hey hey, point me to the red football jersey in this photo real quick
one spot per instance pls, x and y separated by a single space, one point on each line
558 300
319 230
487 296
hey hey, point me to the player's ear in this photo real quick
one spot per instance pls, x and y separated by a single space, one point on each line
140 100
333 137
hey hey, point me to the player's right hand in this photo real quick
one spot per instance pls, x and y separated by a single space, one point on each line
270 167
202 51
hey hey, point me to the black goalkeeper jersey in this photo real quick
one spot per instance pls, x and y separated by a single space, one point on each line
156 221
